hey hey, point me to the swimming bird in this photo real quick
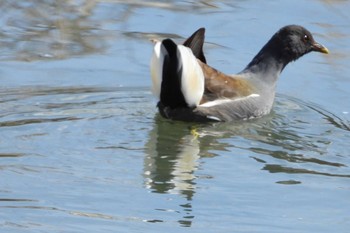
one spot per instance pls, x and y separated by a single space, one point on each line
190 90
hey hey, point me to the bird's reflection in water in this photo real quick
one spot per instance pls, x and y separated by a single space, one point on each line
170 163
172 155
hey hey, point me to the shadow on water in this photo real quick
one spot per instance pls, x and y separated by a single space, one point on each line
296 139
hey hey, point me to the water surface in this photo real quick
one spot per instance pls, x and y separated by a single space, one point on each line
82 148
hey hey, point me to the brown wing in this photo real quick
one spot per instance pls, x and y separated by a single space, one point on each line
219 85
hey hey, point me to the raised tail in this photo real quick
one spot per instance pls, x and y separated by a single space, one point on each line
195 42
177 78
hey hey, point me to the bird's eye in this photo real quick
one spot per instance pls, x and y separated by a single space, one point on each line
306 38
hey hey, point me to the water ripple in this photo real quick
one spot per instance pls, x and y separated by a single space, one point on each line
296 138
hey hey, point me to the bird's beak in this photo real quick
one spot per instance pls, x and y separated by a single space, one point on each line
319 48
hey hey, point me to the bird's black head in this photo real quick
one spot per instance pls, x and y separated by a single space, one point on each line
294 41
288 44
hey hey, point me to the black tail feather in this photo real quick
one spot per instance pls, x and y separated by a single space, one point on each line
171 94
195 43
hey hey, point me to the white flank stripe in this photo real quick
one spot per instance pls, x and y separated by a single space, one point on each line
192 78
213 118
223 101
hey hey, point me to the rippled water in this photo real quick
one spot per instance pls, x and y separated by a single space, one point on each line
82 148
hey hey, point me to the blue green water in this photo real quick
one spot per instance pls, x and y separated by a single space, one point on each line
82 148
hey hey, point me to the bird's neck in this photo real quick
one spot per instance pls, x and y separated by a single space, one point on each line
269 62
